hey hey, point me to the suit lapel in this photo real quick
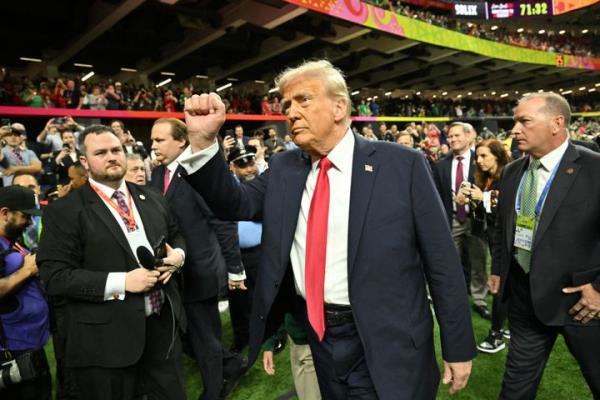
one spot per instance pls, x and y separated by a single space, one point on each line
293 183
472 167
447 174
509 198
147 213
175 182
103 213
364 171
558 190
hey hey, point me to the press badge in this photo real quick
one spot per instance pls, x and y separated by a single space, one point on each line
524 232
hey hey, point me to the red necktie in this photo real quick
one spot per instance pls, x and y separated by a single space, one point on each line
461 211
316 250
167 180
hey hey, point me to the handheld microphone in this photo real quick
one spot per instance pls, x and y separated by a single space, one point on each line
146 258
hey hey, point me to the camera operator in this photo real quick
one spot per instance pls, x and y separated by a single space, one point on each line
65 157
24 318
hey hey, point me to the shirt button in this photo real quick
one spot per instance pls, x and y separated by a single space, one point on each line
115 296
261 317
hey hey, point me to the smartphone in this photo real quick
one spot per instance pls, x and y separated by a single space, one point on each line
4 122
59 121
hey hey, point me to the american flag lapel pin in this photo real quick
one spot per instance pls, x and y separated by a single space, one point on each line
368 168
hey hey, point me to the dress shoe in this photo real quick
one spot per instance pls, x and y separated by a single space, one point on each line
483 311
230 383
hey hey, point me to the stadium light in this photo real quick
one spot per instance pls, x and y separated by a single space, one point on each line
444 93
83 65
30 59
232 79
375 97
275 89
369 98
542 31
592 90
561 32
201 76
597 84
258 81
87 76
163 83
165 73
520 30
418 93
503 95
516 92
582 88
459 96
494 27
128 69
469 93
567 92
355 93
388 93
493 93
584 31
434 96
228 85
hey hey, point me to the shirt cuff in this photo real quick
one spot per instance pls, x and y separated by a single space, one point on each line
192 162
115 286
237 277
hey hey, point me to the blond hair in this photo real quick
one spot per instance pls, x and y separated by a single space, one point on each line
332 78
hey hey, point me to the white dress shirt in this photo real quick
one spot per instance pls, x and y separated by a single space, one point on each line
336 263
340 178
466 164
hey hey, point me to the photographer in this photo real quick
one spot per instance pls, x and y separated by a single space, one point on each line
24 321
65 157
50 135
14 157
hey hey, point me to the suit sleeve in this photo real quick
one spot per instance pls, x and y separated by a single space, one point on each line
442 267
60 255
225 196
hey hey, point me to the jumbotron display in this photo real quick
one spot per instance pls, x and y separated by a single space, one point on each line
517 9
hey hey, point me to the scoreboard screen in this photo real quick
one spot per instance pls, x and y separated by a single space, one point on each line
518 9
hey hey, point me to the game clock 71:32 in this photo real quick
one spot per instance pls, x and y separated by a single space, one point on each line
534 9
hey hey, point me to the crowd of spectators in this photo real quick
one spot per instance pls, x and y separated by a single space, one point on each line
130 96
550 40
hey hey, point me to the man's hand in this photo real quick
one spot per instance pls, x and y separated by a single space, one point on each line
457 374
29 265
268 363
493 283
588 306
204 116
233 285
64 190
171 263
140 280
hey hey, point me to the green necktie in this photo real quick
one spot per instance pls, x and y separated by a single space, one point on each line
528 201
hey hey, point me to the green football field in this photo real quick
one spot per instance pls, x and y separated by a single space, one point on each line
562 379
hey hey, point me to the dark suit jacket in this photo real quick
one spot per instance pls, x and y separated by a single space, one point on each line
81 243
566 248
396 237
442 175
212 245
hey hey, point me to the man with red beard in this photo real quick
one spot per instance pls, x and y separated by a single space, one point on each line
123 340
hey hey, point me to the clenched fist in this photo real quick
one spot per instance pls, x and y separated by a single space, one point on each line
204 116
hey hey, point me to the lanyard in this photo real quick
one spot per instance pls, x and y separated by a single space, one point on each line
15 246
540 202
129 218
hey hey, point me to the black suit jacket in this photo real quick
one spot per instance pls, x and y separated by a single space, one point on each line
212 245
566 248
81 243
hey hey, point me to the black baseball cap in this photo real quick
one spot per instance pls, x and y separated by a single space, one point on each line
19 198
242 156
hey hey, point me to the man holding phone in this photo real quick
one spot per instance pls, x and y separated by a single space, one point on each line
14 157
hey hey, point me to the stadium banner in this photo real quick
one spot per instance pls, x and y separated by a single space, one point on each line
377 18
564 6
470 10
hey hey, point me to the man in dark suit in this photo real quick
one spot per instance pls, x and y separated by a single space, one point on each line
547 247
213 251
358 251
454 170
123 320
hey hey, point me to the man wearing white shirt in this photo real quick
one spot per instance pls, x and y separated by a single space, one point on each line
350 229
122 336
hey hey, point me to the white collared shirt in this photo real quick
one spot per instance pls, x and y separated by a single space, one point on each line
336 264
340 178
549 162
466 164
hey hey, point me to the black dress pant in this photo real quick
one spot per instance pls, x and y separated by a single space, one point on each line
240 301
531 343
204 337
154 377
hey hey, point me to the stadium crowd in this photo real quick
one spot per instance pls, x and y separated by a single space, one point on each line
72 172
550 40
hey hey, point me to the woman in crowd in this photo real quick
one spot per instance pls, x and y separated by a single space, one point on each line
483 195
